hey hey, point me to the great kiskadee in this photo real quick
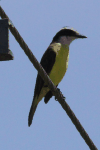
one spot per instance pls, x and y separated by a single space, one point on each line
55 63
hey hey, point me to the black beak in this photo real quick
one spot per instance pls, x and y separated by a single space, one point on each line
80 36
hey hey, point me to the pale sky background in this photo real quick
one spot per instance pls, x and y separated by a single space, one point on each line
38 21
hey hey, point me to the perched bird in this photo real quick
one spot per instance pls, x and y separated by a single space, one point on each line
55 63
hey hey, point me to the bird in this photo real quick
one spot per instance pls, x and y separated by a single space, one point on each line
55 62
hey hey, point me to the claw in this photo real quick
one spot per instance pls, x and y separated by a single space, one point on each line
61 93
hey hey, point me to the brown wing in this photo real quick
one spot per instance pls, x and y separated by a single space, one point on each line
47 63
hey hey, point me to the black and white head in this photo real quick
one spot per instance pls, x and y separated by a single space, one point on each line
66 36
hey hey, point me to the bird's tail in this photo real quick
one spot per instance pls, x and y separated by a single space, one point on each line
31 113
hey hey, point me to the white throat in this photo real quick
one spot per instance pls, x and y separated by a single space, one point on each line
66 40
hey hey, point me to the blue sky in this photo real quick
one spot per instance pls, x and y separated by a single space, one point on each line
38 22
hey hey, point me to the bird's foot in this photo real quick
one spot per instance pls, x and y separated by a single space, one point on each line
60 93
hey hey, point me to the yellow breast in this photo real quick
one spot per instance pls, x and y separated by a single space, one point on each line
61 63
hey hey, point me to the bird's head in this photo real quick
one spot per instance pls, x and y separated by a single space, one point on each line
66 36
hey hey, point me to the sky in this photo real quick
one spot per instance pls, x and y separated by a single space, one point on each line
37 22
